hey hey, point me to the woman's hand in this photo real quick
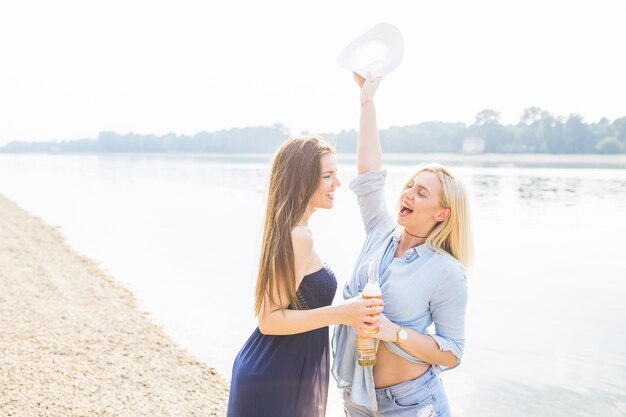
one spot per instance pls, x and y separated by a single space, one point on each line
362 314
387 330
368 86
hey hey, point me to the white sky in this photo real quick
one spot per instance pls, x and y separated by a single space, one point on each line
70 69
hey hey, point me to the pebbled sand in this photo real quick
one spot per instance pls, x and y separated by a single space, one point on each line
73 343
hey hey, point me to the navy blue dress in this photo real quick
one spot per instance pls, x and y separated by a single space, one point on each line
286 376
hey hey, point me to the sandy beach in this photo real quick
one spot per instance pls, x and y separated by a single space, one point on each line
73 343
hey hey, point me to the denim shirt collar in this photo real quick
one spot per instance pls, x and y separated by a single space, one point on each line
414 252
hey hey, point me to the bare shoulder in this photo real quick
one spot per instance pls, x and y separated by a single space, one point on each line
301 236
302 242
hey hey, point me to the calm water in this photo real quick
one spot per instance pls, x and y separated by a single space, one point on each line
545 321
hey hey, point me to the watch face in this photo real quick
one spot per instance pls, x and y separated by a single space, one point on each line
402 334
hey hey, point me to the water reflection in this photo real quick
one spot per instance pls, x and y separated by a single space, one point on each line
545 316
568 191
541 190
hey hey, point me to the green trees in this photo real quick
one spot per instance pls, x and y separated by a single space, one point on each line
497 137
619 127
250 139
576 136
609 144
537 131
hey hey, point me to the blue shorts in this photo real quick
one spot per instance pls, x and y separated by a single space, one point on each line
423 396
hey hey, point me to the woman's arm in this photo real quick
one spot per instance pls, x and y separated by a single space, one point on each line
447 307
279 320
369 185
418 345
369 152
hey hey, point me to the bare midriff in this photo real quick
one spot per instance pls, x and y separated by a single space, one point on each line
391 369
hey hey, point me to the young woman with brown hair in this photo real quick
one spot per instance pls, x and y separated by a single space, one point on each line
283 368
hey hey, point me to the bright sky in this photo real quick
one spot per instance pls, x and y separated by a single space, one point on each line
70 69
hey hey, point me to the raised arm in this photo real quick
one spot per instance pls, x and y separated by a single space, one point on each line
279 320
369 152
369 185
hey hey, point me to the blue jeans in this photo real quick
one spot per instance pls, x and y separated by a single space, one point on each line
423 396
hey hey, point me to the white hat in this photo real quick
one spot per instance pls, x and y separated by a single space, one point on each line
378 51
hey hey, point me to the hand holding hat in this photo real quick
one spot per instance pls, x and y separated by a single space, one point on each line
368 85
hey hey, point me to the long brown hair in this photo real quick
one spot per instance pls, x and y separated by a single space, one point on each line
295 175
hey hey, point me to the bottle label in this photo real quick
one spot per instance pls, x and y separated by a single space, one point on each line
366 351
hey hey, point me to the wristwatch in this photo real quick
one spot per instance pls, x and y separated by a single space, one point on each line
401 336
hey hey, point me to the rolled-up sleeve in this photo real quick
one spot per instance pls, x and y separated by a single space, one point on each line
448 307
370 191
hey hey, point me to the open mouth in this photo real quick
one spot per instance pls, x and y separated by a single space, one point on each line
331 195
405 210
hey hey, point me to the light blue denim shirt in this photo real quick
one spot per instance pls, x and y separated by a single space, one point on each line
420 288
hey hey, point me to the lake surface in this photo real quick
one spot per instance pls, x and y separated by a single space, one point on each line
545 320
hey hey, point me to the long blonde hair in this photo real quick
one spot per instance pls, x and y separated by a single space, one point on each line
452 236
294 177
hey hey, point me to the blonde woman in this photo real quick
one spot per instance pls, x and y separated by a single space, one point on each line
423 253
283 368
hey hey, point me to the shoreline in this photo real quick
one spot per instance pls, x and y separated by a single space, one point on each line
73 342
539 160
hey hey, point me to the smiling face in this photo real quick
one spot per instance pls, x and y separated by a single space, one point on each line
420 208
324 195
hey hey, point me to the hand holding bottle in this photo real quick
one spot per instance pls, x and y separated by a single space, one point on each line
387 330
366 347
362 313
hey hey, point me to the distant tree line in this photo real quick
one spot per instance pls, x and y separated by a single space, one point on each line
536 132
249 139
